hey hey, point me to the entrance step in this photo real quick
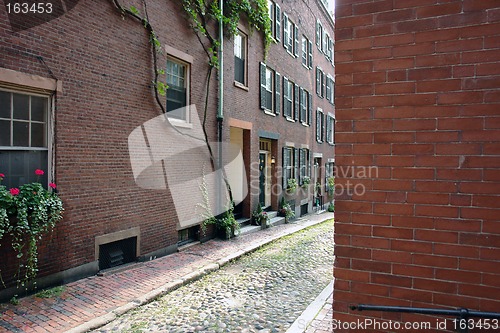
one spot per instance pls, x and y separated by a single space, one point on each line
277 220
272 214
243 221
246 229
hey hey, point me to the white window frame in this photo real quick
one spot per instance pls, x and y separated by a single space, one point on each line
186 59
244 52
49 121
330 130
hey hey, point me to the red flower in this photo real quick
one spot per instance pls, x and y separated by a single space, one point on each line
52 185
2 175
39 172
14 191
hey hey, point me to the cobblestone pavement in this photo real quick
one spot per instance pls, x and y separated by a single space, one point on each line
262 292
94 301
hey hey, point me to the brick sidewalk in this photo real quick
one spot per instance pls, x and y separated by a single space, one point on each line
91 302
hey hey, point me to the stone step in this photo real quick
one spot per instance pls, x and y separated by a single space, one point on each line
243 221
248 229
277 220
272 214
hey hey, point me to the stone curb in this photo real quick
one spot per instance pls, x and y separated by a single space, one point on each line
186 279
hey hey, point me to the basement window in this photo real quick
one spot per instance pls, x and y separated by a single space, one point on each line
117 253
188 235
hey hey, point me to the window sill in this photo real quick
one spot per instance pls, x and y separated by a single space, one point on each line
290 119
269 112
305 124
240 85
180 123
306 67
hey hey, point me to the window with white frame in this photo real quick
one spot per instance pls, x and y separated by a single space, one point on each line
320 82
330 129
270 90
320 120
288 165
290 36
288 90
330 89
306 52
24 137
305 101
240 49
275 19
319 34
304 168
178 89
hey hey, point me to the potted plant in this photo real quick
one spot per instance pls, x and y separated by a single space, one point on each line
260 217
331 207
26 214
286 210
306 181
291 185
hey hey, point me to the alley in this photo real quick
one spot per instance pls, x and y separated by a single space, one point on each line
264 291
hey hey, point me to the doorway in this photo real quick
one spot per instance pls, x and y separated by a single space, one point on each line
265 180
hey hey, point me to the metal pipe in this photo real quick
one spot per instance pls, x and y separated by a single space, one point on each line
461 313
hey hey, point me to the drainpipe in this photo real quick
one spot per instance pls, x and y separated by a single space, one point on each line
220 108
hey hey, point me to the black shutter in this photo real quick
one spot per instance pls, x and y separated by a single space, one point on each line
310 54
309 162
309 108
262 86
296 164
296 36
285 31
277 93
333 130
323 127
277 28
302 104
328 129
296 103
333 92
318 126
284 153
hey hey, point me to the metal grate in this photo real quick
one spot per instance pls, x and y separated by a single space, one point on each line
303 209
117 253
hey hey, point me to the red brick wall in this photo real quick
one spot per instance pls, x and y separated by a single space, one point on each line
418 97
104 64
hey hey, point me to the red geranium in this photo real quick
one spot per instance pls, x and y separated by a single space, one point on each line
52 185
14 191
2 175
39 172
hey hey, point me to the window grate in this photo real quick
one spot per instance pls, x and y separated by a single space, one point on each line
117 253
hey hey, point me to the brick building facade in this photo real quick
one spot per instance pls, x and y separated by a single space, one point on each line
417 98
85 79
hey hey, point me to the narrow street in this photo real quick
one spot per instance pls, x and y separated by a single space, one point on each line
264 291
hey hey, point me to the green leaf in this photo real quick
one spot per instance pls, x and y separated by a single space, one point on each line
134 10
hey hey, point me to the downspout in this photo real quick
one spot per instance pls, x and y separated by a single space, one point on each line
220 107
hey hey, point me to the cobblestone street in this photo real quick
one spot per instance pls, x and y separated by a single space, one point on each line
264 291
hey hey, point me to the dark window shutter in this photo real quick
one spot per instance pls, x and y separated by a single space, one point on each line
309 161
296 103
323 127
285 31
296 35
309 108
277 28
318 81
333 130
296 164
277 93
333 92
310 53
284 153
262 86
328 129
318 125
